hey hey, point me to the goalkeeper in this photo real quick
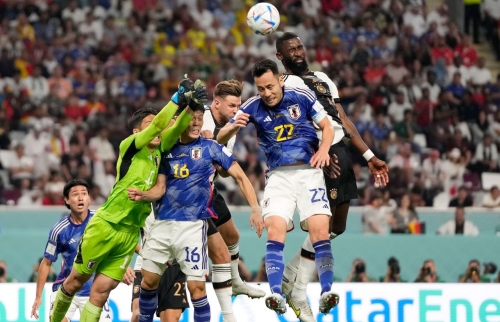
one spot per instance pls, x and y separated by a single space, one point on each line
109 240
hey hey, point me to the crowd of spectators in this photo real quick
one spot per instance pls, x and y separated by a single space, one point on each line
72 72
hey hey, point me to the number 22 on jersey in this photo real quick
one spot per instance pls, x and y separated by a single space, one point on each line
285 132
181 171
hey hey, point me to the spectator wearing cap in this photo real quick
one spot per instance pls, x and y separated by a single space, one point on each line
492 198
459 225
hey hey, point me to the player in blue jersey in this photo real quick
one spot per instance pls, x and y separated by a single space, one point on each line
180 229
64 239
283 118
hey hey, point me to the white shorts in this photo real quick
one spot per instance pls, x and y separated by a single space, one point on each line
184 241
77 304
295 187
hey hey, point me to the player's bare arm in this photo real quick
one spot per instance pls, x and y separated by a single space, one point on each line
378 167
321 158
153 194
231 129
43 273
246 188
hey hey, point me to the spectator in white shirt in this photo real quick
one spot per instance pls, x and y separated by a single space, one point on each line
479 74
416 20
92 29
412 92
202 15
458 226
101 147
37 85
73 12
20 165
431 170
492 198
434 88
397 108
457 66
374 216
440 16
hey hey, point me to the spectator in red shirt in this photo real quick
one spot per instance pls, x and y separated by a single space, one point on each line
441 50
424 108
467 52
73 110
374 72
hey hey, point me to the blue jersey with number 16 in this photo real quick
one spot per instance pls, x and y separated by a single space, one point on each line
190 171
285 131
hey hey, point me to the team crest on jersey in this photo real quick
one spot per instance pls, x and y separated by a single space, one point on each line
333 194
265 203
320 88
196 153
294 111
91 264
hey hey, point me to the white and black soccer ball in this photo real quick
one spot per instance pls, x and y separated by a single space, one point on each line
263 18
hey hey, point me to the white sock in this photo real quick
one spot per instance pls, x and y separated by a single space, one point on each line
307 267
234 251
292 268
221 281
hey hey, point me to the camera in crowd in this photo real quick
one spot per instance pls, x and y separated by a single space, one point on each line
490 268
2 272
360 268
394 267
426 270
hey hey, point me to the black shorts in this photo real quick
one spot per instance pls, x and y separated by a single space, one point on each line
222 211
343 188
171 291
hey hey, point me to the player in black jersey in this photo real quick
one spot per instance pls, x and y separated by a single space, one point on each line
342 188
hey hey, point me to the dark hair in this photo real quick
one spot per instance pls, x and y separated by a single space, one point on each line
136 119
71 184
230 87
74 141
281 39
261 67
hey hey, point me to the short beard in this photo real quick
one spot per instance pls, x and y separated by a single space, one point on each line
296 68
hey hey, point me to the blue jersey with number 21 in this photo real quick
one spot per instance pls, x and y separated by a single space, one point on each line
190 171
285 131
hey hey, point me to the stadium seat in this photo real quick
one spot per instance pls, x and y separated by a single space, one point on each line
490 179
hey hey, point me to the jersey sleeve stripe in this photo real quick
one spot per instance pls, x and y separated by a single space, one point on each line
249 101
307 93
58 228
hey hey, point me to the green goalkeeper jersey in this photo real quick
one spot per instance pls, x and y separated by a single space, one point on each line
137 167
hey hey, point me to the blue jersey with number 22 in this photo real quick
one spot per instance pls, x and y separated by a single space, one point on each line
190 171
285 131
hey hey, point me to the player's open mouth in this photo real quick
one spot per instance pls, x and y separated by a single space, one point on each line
80 205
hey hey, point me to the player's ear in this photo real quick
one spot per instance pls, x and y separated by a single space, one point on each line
279 56
281 81
135 130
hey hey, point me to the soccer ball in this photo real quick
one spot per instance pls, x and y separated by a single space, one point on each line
263 18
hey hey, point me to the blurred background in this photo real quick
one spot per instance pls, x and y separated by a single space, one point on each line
420 79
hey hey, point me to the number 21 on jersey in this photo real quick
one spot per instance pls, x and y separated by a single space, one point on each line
181 171
285 132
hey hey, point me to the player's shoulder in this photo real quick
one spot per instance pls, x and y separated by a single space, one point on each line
59 227
322 76
293 80
250 103
299 93
125 143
